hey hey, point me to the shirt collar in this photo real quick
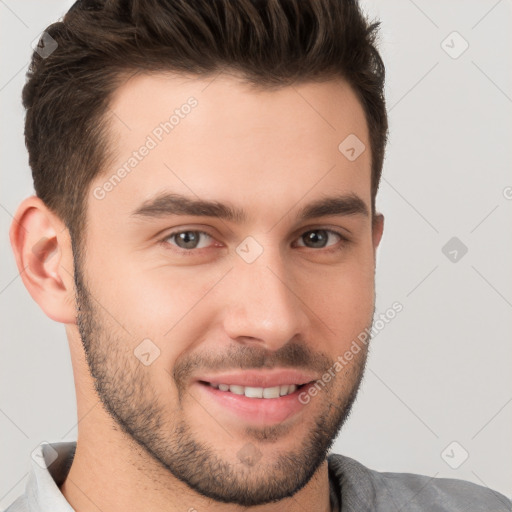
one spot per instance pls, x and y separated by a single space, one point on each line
49 467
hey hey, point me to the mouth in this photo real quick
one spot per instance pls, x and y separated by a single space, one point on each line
256 397
271 392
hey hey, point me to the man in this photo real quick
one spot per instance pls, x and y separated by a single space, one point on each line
205 228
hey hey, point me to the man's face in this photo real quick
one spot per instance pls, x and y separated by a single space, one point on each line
179 301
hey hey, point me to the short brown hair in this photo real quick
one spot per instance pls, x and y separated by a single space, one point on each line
271 43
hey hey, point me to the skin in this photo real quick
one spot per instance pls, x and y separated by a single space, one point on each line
153 440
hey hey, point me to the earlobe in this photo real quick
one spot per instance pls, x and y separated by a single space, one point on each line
42 248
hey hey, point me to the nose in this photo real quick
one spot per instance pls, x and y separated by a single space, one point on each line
264 308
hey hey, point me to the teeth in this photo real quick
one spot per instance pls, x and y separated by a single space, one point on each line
238 390
255 392
270 392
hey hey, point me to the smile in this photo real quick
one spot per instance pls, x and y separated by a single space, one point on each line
257 392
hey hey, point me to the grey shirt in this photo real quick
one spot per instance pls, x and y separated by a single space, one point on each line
353 486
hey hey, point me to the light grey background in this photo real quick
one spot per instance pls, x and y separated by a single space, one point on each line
440 371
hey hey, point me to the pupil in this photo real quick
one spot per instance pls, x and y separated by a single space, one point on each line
187 239
317 238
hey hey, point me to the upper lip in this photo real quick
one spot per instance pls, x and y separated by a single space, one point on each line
260 378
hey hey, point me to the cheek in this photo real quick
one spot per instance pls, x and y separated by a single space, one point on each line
171 307
348 308
343 298
145 292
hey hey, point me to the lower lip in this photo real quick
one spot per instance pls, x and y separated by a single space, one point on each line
256 410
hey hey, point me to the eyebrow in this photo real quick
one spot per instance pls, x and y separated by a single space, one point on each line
167 204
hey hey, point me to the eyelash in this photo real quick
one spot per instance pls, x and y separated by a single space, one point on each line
191 252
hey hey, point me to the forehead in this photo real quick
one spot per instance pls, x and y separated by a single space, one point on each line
217 138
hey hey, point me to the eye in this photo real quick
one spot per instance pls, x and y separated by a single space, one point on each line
319 238
188 240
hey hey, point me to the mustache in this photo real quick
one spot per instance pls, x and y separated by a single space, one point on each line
296 355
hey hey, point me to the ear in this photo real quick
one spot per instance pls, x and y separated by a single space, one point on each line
42 248
377 230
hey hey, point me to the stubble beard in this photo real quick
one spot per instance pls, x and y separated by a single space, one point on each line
128 395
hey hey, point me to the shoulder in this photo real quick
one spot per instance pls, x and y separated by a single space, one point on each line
366 489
